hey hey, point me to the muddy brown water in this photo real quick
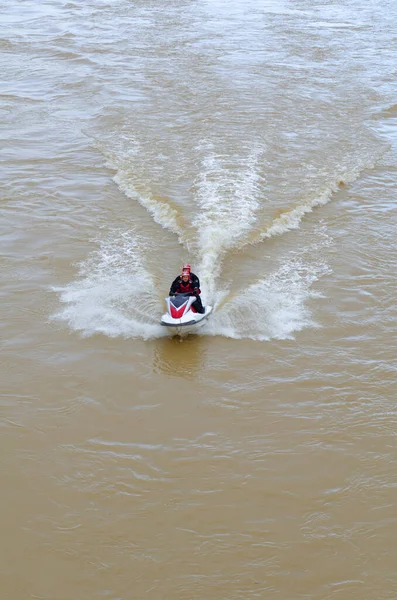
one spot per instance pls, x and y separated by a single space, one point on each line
257 141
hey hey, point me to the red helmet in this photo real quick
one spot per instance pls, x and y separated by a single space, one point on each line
186 268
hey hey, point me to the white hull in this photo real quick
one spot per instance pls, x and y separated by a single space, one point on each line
189 323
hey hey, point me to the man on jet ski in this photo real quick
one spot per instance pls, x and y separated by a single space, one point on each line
188 283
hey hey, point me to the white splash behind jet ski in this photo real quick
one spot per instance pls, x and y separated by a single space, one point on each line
181 315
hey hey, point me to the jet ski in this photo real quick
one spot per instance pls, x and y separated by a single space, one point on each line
181 315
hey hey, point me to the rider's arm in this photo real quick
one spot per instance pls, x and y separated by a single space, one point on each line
196 282
174 285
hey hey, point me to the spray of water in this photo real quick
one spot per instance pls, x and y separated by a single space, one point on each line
276 306
112 286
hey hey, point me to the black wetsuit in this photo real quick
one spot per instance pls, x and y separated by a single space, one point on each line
190 287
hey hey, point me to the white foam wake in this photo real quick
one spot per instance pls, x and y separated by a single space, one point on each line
162 212
228 200
291 219
123 156
275 307
113 283
114 292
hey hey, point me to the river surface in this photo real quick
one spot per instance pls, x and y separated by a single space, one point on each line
257 140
